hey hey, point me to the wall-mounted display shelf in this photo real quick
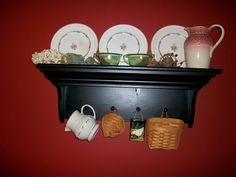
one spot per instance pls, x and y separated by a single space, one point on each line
127 88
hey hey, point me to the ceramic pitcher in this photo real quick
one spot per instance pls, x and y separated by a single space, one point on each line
199 46
83 126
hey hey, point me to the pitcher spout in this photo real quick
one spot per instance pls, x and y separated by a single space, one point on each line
67 129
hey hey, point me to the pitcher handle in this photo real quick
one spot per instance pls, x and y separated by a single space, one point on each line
219 40
82 110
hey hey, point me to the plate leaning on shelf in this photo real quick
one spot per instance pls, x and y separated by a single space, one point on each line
75 38
123 39
169 39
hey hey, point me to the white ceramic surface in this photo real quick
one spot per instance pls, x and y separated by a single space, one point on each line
93 132
74 123
86 129
169 39
198 56
75 38
89 131
123 39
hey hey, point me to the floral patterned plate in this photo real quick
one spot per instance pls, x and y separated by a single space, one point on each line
123 39
169 39
75 38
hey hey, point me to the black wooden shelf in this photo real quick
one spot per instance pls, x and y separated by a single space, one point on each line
127 88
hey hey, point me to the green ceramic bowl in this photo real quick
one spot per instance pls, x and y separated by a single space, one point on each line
108 58
139 59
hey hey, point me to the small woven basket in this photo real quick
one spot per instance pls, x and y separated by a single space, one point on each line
113 125
164 133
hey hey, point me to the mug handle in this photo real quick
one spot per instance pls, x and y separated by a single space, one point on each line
219 40
82 110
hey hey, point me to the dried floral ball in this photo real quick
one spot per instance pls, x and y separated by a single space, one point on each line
49 56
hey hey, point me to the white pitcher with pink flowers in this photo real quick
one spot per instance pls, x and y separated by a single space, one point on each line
199 47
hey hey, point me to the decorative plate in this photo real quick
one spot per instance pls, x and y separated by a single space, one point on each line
123 39
169 39
75 38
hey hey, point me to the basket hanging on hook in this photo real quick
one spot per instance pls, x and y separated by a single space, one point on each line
113 124
164 132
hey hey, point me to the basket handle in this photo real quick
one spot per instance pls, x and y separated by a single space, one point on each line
164 113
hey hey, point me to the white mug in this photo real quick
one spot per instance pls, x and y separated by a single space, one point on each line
83 126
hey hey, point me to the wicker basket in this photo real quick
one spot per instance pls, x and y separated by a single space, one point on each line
113 125
164 133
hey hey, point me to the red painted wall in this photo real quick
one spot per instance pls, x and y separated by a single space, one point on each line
32 140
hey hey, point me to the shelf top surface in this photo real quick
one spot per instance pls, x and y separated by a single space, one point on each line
127 69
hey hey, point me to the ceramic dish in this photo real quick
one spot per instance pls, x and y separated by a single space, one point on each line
123 39
75 38
108 58
137 59
169 39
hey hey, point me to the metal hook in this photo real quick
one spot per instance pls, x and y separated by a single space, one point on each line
138 109
113 108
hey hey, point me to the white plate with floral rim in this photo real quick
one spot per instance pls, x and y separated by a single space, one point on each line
123 39
75 38
169 39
